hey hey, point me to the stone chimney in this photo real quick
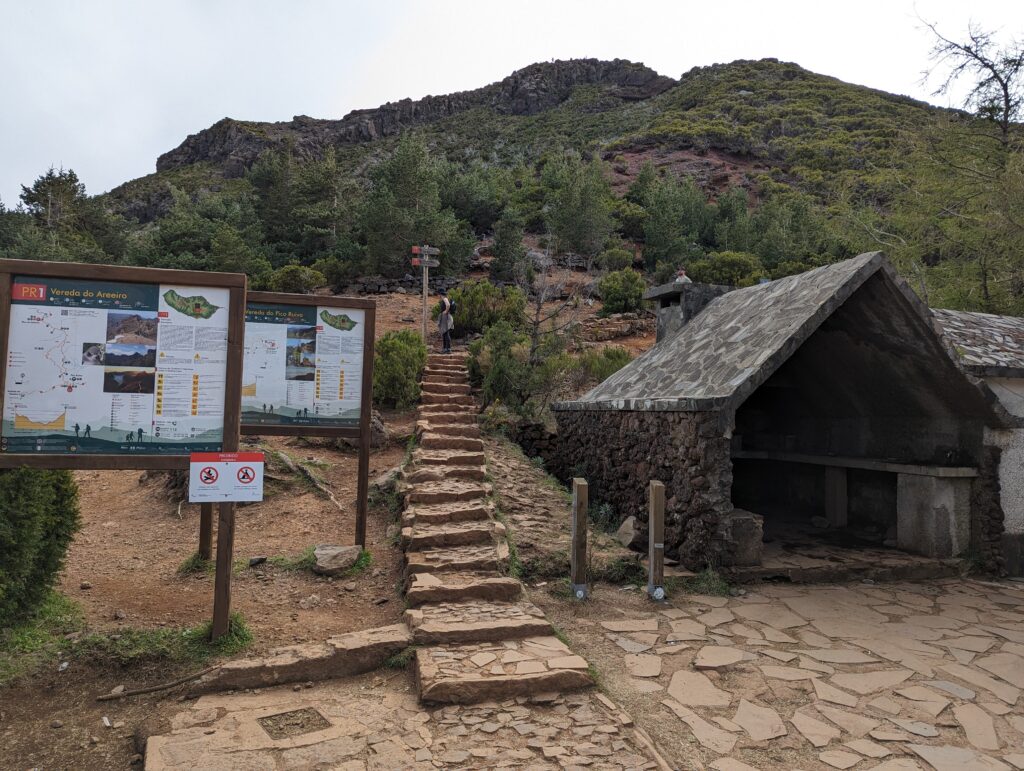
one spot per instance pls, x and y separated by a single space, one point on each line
678 303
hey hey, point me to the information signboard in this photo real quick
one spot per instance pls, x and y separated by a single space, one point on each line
105 366
308 371
114 367
303 365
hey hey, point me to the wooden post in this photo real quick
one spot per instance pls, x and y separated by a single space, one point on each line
205 531
656 541
232 429
578 556
425 269
365 416
6 280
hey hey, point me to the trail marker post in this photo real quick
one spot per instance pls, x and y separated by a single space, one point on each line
425 262
578 555
656 541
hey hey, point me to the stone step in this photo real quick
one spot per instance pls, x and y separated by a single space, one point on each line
458 559
475 621
443 513
447 399
440 473
446 368
447 492
450 413
452 389
432 441
448 458
472 673
439 425
341 656
422 535
458 377
459 587
455 357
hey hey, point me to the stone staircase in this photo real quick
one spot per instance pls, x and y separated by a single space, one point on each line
479 638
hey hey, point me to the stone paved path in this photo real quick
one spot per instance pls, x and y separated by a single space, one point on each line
885 676
479 638
376 723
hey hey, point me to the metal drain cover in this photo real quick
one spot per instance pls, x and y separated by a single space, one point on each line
294 723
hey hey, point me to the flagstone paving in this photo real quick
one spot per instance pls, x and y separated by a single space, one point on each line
862 675
369 724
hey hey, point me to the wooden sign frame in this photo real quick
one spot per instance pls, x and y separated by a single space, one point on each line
361 432
236 284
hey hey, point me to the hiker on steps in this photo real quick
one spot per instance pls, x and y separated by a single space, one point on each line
445 322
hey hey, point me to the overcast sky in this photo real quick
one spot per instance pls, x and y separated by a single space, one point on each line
105 86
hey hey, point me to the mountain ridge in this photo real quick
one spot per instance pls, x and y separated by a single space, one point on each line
235 145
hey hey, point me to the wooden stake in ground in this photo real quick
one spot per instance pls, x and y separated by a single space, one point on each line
205 531
656 541
578 557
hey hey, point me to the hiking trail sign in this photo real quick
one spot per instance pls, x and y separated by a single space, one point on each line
115 367
308 371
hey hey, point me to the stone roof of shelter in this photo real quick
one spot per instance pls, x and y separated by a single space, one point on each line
731 347
987 345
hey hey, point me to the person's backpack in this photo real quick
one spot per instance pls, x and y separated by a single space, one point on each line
451 307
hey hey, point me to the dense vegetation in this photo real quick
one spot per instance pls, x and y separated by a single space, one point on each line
399 359
38 517
821 170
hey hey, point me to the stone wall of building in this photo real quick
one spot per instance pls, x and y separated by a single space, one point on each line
620 452
537 442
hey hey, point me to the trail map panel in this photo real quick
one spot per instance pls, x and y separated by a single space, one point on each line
303 365
106 367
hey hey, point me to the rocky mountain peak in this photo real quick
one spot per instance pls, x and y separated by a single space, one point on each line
235 145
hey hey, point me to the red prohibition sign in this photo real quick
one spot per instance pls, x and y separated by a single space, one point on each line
208 475
246 475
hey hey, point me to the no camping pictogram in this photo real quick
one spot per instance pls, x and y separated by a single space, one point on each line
208 475
246 475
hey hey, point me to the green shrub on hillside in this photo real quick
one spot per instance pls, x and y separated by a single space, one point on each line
600 364
622 291
397 365
297 279
38 518
615 259
500 362
510 262
732 268
479 304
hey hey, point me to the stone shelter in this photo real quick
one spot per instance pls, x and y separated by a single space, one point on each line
828 400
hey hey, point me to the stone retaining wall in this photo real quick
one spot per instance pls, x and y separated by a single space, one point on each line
619 452
407 285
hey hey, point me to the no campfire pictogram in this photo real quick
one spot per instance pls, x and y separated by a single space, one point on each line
218 477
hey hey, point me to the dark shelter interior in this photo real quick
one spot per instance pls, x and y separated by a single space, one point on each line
869 395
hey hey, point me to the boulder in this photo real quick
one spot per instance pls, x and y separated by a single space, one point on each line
632 534
335 560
